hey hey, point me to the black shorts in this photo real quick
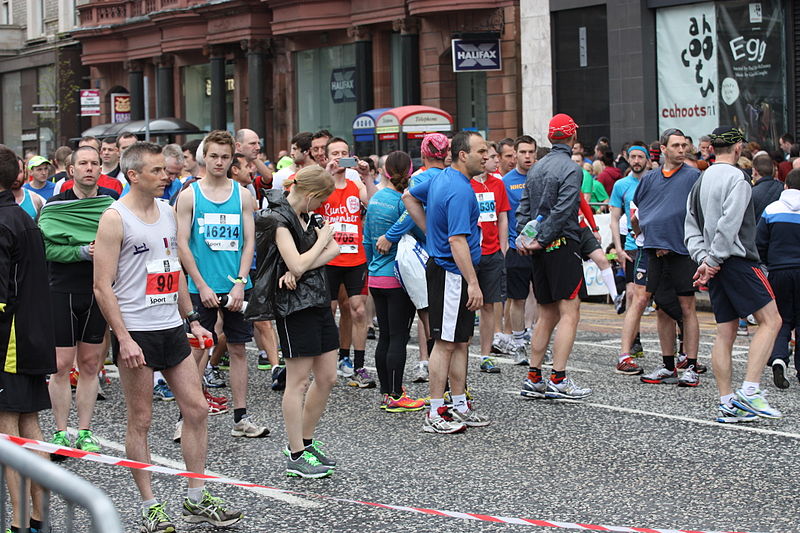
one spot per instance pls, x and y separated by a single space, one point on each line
237 330
673 269
162 348
786 286
558 275
588 243
77 318
21 393
739 289
491 273
449 318
308 333
353 278
519 275
640 268
630 267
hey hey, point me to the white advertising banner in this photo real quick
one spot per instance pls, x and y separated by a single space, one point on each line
687 69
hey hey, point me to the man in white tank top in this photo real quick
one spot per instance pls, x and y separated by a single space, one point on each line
141 290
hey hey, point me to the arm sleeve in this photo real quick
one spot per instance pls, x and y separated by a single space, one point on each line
403 225
586 211
762 240
458 219
693 233
367 239
420 191
501 202
617 195
734 209
564 208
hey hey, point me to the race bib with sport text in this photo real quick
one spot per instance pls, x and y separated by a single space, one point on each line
163 277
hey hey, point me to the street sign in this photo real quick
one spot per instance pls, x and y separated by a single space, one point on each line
343 85
476 55
120 107
90 102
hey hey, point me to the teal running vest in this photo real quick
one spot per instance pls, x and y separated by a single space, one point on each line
27 204
217 239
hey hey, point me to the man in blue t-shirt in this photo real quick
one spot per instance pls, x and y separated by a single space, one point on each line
660 199
39 170
519 269
446 209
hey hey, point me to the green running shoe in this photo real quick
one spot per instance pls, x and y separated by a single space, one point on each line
156 520
60 438
87 442
307 466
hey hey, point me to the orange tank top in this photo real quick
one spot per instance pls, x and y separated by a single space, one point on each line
343 210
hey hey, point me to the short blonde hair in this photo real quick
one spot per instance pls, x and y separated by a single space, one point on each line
313 181
597 167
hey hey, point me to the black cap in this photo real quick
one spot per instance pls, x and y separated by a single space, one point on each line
726 136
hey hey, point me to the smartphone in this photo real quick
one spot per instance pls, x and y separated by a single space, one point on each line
347 162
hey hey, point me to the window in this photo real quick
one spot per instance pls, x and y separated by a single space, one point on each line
67 15
35 19
471 96
5 12
12 111
320 104
197 96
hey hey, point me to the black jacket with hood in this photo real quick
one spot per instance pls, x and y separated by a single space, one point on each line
268 301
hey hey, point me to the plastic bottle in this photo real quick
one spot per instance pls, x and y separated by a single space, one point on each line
224 301
194 342
529 233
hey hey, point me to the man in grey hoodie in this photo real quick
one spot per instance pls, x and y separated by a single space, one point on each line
720 236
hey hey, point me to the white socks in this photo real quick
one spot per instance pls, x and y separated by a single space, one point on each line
749 387
156 376
726 400
608 279
195 494
460 403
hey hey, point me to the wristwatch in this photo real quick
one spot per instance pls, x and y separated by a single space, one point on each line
194 316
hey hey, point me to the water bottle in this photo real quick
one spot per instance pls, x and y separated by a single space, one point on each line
529 233
226 302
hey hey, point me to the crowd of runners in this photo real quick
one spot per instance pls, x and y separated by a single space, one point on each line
169 260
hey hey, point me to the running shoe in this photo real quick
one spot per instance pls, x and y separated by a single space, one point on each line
371 333
532 389
567 389
210 510
637 350
402 404
278 377
500 343
442 421
742 330
221 400
756 404
384 401
156 520
212 378
520 353
60 438
448 398
730 414
73 378
307 466
649 310
779 374
361 379
315 449
683 362
526 336
162 392
86 441
263 361
176 437
689 378
420 373
489 365
661 375
628 367
751 320
345 368
215 409
225 361
470 418
247 427
619 303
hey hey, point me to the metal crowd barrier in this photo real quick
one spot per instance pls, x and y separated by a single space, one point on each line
74 490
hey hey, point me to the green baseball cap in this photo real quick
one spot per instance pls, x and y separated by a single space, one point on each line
36 161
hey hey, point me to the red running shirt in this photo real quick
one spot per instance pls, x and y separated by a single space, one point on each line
492 200
343 210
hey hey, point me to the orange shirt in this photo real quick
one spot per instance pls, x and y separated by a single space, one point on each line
343 210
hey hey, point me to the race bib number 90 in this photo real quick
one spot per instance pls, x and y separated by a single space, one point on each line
346 236
222 231
163 277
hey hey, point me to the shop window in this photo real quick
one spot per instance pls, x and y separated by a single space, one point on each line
471 96
325 96
12 111
197 96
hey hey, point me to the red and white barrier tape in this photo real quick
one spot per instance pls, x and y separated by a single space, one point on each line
118 461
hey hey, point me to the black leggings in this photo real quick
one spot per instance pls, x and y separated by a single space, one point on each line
395 314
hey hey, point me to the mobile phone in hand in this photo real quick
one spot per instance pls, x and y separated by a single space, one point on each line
347 162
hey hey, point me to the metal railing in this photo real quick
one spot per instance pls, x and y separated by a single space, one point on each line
75 491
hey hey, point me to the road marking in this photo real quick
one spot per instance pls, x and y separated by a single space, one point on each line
165 461
616 347
744 426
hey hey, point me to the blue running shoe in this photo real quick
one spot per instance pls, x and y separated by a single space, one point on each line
162 392
730 414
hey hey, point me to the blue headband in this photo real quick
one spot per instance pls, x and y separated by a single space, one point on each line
642 148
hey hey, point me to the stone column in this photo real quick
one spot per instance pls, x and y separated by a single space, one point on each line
365 99
409 52
219 119
256 90
136 89
165 97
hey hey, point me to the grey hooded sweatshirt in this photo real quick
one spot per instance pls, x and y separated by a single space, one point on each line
719 217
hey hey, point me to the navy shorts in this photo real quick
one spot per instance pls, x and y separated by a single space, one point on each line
237 330
519 275
491 273
630 267
672 270
739 289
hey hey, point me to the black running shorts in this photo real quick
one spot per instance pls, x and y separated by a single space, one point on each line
162 348
76 318
558 274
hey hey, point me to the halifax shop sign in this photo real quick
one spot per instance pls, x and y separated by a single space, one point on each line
471 55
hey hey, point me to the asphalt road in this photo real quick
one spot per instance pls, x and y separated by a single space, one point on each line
635 455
